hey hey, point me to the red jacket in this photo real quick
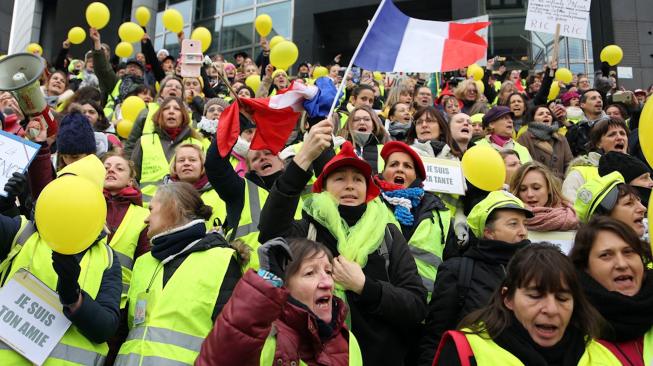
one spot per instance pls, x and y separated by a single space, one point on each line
245 322
628 352
117 207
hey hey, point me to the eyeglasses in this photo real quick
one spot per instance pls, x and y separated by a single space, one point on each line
215 109
426 120
365 119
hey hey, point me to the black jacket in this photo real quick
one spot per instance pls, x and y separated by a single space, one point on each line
447 306
393 301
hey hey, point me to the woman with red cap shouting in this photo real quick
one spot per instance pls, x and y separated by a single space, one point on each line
373 269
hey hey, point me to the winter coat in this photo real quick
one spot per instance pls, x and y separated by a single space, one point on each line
255 309
449 302
393 301
555 154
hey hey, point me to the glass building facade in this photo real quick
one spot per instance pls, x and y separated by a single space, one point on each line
230 21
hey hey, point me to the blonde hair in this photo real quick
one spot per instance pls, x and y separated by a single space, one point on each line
173 163
555 197
459 92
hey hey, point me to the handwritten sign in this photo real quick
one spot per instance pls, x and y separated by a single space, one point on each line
31 317
443 176
572 15
15 156
563 239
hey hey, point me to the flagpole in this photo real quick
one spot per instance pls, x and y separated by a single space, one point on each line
351 62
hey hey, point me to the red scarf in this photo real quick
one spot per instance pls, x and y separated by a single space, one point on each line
173 132
201 182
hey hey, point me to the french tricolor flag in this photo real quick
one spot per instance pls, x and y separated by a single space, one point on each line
394 41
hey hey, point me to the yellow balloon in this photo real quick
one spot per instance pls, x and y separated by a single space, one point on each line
35 48
263 24
646 132
173 21
131 107
142 15
76 35
484 168
284 55
554 91
275 41
253 81
97 15
320 71
130 32
70 214
563 74
480 86
612 54
203 35
124 128
377 76
475 71
124 49
89 167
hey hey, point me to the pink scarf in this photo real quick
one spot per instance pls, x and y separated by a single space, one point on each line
499 140
562 218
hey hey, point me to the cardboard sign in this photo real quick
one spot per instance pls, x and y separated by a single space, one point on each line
563 239
572 15
15 156
443 176
31 317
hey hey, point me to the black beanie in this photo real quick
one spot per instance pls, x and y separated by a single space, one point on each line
75 135
629 166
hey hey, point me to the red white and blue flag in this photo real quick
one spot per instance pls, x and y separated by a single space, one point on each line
396 42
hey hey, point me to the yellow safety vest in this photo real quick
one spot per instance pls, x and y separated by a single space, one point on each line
178 317
588 172
521 150
270 347
110 105
124 243
148 125
212 199
488 353
427 245
30 252
155 164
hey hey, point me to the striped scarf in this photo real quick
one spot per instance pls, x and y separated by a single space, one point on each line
401 199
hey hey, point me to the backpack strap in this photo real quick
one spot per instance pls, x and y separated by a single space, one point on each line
384 249
464 279
465 352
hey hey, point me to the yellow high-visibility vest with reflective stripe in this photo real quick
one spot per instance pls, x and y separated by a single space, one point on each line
29 251
125 241
212 199
178 316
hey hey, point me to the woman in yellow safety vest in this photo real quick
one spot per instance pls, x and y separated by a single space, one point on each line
154 151
498 124
613 265
539 316
287 310
178 288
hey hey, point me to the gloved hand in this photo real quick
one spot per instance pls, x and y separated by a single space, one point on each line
462 233
14 187
67 268
274 256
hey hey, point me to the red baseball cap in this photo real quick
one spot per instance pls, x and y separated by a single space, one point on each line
347 158
398 146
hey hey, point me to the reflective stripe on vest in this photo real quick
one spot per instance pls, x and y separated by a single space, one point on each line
110 105
270 347
212 199
427 245
486 352
586 171
178 316
124 243
36 256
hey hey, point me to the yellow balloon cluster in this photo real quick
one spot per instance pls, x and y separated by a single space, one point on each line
124 49
564 75
554 91
131 107
130 32
612 54
35 48
97 15
320 71
173 21
142 15
284 55
263 25
253 81
484 168
276 40
70 214
475 71
76 35
202 35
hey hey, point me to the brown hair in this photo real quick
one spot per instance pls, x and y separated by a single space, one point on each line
602 126
173 163
301 249
183 202
551 271
445 134
130 164
157 118
554 195
377 128
586 236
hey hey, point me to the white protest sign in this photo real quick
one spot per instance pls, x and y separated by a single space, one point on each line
443 176
624 72
31 317
572 15
15 156
563 239
483 33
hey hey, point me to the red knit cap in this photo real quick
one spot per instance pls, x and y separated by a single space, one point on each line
398 146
